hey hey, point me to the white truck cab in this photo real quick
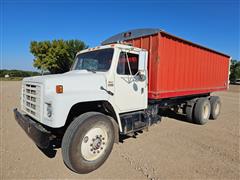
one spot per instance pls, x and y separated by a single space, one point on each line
96 86
98 74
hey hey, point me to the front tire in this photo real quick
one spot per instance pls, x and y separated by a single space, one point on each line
87 142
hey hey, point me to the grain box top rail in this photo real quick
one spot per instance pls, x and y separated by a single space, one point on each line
137 33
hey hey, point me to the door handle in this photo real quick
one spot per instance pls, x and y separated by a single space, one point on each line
109 92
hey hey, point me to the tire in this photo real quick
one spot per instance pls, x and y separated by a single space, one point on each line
215 107
189 110
87 142
201 111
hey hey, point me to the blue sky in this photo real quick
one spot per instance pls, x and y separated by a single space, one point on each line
213 23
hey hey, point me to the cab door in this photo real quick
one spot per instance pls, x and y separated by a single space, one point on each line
131 81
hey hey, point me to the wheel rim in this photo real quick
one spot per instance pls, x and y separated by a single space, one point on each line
94 143
217 109
205 111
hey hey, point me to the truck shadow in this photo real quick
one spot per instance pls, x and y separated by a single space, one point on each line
166 113
51 151
176 116
133 135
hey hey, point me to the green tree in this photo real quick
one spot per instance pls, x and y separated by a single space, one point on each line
234 70
17 73
55 56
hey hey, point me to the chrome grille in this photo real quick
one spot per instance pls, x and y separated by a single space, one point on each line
31 100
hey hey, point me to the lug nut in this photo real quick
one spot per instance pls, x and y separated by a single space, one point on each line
100 135
101 148
103 143
103 138
98 151
91 149
90 144
94 152
85 139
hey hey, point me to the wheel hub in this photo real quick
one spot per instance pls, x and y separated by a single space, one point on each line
217 109
205 111
95 144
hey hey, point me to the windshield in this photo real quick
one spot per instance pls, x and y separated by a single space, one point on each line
99 60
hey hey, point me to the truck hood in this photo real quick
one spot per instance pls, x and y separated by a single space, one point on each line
42 79
78 80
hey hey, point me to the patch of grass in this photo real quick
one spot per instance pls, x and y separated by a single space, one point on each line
11 79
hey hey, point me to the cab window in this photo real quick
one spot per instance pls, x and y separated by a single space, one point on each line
98 60
123 67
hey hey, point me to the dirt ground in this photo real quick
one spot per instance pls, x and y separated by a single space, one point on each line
172 149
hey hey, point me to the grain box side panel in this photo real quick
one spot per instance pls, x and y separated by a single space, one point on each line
186 69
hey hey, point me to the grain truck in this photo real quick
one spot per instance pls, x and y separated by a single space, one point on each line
120 88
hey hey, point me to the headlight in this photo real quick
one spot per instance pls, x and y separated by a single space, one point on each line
49 110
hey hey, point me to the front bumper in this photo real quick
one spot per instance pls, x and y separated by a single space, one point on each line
34 130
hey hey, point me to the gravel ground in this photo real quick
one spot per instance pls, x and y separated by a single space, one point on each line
172 149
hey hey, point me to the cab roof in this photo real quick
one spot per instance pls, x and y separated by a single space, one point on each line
116 45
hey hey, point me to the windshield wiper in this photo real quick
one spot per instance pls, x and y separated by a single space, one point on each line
91 70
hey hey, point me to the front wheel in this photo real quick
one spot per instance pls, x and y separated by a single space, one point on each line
87 142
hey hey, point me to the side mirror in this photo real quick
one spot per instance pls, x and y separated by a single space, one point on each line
141 76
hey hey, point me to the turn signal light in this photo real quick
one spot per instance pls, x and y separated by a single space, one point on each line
59 89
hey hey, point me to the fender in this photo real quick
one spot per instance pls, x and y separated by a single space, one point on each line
61 111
